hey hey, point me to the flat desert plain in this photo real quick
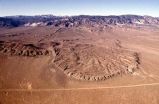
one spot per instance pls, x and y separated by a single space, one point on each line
79 65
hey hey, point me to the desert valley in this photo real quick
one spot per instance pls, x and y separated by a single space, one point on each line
83 59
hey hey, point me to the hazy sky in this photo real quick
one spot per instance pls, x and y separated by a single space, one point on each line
79 7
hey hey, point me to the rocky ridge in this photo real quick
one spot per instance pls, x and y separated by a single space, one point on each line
20 49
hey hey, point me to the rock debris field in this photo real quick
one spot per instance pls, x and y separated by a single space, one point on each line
80 61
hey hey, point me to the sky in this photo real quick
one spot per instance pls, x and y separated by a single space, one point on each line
79 7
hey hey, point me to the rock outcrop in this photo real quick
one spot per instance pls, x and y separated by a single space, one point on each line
19 49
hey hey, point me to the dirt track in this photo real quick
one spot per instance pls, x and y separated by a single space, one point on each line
90 88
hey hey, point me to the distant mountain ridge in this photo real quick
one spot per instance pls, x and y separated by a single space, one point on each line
70 21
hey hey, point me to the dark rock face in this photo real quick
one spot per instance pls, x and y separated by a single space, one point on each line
15 21
9 22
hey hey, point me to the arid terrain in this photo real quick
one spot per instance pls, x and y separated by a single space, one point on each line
81 64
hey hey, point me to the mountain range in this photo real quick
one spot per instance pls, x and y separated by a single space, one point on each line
69 21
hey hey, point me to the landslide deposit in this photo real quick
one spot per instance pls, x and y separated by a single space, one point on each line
93 63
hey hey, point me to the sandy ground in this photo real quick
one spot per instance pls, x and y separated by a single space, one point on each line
26 80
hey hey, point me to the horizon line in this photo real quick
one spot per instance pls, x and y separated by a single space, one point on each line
76 15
